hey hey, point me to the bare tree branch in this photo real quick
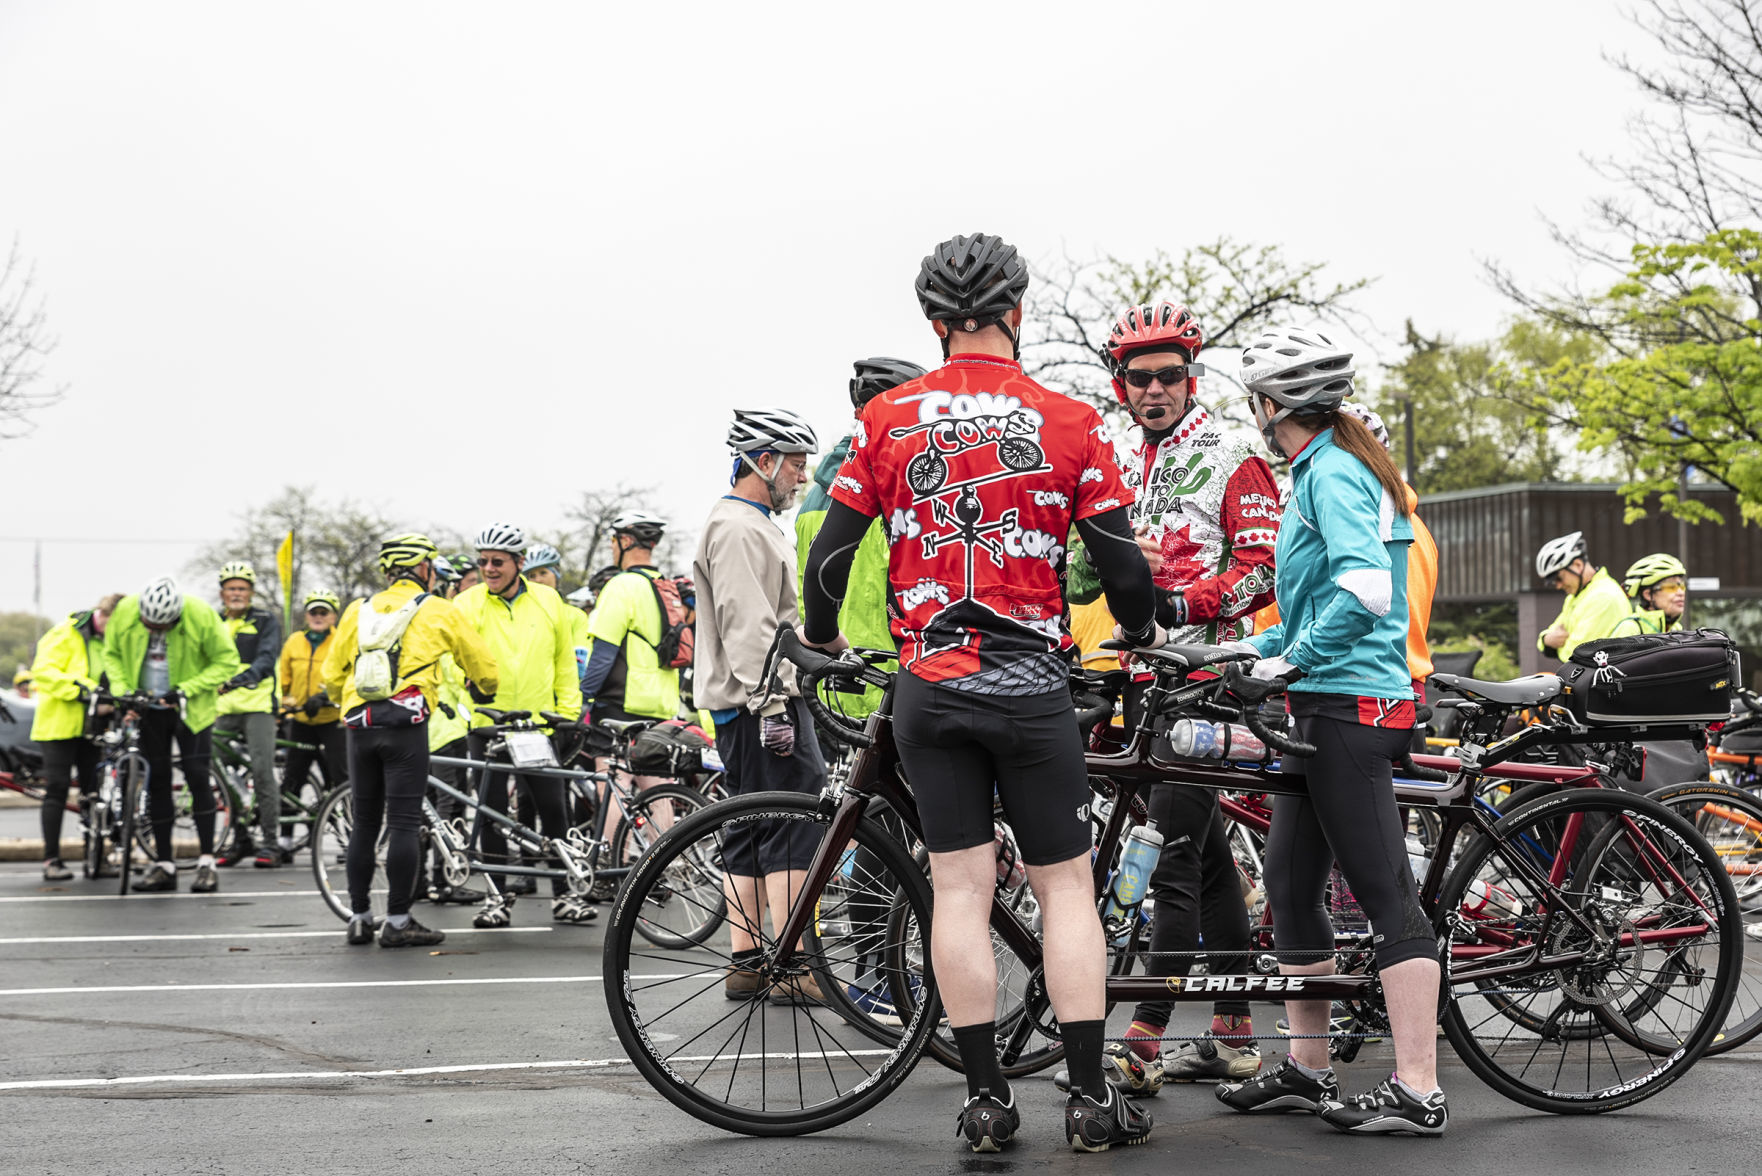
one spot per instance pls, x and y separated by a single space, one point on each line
25 343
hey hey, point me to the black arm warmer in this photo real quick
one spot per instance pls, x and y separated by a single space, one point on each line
827 571
1125 577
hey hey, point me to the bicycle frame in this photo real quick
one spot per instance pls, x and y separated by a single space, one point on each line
1136 766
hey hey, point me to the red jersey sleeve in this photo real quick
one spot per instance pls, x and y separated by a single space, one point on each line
1251 528
1100 486
855 485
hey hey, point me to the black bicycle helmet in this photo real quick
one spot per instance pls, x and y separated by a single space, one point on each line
601 578
878 375
972 282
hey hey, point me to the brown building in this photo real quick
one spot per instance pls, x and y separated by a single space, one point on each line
1487 543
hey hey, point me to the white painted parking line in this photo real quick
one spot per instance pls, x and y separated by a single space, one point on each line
412 1072
307 891
451 981
254 935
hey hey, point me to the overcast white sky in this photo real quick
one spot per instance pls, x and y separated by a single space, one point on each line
464 261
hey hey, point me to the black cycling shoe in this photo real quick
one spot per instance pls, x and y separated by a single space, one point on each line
411 934
988 1123
361 930
206 881
1092 1126
159 880
1388 1110
1282 1088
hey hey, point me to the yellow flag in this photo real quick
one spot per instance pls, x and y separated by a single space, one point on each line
284 566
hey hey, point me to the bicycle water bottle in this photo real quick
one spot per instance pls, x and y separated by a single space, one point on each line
1485 901
1418 859
1198 739
1132 880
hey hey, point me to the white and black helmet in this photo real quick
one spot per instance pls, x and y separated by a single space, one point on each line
501 537
1371 420
162 602
777 430
1557 554
640 525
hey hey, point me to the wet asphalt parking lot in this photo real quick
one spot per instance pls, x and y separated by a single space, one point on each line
237 1032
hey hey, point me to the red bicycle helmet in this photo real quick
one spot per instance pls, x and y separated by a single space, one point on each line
1165 325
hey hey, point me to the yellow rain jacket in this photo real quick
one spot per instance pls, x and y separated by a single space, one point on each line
533 644
69 661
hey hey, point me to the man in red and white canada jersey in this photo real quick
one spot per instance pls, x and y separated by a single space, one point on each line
979 475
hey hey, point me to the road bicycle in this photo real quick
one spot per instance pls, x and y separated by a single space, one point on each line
582 856
300 799
1608 930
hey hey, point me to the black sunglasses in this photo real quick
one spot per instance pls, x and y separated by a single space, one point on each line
1167 377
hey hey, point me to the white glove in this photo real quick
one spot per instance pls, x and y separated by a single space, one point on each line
1240 647
1268 668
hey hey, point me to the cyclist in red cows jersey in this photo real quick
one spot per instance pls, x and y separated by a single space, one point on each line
979 474
1207 516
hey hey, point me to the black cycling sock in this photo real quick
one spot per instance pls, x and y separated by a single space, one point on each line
751 955
978 1046
1083 1053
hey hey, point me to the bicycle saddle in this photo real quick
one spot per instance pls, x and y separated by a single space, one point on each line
1536 688
621 727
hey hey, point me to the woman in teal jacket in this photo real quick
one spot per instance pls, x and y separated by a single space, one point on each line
68 666
1342 594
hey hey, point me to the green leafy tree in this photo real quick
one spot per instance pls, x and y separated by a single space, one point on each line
1682 394
1469 431
1237 289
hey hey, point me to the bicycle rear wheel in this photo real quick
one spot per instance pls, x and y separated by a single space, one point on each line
333 826
766 1065
1647 920
693 882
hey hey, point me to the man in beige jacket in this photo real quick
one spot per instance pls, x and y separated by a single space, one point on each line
745 574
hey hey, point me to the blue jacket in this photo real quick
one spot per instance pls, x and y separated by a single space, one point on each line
1340 521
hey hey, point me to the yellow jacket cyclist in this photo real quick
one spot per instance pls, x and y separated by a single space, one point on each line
317 726
68 665
388 736
247 704
1594 605
527 628
171 646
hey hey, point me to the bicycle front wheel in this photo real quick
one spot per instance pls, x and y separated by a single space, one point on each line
1643 939
775 1061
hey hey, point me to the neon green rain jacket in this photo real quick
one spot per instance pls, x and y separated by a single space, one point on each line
199 651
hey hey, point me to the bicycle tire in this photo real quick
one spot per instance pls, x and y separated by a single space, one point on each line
1529 1069
635 835
92 828
664 1056
336 822
1731 821
1734 836
226 829
131 789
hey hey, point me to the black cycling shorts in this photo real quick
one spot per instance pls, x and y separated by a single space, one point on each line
961 749
1347 814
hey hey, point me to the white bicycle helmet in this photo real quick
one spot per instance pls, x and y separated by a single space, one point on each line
640 525
1301 371
758 430
501 537
1558 554
162 602
1371 420
581 598
542 555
